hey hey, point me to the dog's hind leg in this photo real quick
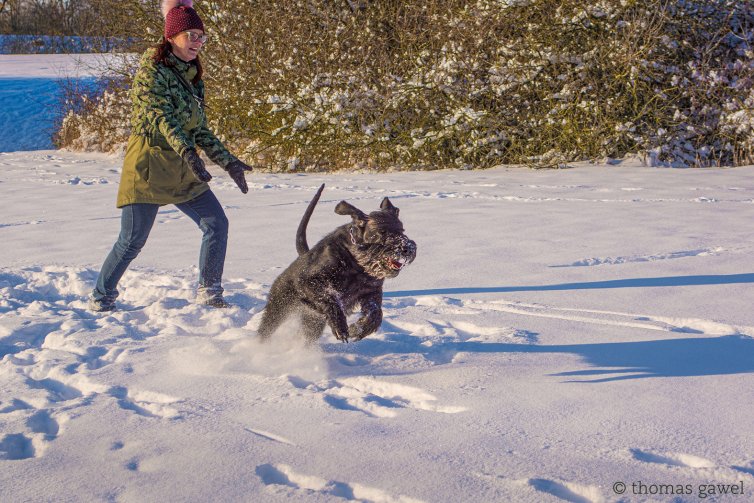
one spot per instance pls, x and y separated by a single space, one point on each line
312 325
273 316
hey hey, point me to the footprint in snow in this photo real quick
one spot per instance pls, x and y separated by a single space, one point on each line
15 447
749 470
281 475
98 357
27 336
42 422
14 405
567 491
379 398
672 459
146 403
44 427
39 423
57 391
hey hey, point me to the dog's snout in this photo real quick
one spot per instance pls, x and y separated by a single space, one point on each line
408 248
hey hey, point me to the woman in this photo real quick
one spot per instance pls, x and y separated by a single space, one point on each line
162 165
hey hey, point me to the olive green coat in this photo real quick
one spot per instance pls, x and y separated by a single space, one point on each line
165 121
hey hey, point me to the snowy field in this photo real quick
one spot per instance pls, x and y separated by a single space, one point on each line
31 93
560 333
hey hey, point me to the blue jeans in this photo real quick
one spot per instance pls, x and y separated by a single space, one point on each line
136 222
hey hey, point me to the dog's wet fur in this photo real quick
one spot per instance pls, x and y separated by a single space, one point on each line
342 273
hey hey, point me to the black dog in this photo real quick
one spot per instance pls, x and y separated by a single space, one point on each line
345 270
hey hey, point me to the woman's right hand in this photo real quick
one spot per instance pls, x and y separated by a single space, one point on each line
237 171
196 164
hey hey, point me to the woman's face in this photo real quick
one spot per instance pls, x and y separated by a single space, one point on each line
184 48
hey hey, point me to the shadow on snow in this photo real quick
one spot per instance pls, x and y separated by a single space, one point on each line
666 281
613 361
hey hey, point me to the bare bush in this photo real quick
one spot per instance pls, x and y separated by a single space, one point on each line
315 85
50 17
88 121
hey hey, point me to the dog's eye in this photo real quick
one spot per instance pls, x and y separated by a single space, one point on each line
374 235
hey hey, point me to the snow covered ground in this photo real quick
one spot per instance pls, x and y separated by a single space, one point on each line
560 333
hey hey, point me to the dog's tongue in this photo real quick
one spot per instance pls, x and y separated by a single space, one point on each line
394 264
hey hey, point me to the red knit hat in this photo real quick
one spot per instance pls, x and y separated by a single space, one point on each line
180 16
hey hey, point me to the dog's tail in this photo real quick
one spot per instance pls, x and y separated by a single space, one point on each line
301 245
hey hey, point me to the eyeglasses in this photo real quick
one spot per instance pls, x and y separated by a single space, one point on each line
196 37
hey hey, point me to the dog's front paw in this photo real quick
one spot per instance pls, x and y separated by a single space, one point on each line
339 328
341 335
356 332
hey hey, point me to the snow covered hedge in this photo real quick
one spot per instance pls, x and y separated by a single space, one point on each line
317 84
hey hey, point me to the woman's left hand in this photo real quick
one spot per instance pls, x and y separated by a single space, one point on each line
237 170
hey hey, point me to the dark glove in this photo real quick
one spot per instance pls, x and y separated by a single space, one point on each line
236 170
196 164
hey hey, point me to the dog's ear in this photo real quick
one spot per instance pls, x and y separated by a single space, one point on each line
359 217
388 206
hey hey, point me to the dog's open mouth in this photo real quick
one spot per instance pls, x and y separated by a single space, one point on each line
395 265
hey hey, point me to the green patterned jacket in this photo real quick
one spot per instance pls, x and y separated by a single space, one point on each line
166 120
